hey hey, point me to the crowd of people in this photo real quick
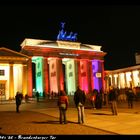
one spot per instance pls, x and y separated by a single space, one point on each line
97 100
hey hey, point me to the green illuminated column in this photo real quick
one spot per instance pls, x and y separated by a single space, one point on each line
39 75
71 76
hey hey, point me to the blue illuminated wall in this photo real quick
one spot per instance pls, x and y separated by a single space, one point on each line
97 68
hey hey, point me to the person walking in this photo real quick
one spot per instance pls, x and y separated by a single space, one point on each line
79 99
113 101
130 98
18 98
37 96
63 105
93 98
26 98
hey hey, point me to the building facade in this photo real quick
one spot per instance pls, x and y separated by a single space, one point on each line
50 66
13 73
123 78
59 65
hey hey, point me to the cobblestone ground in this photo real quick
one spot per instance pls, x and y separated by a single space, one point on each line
33 123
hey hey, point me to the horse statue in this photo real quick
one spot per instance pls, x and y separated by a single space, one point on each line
62 34
69 36
74 37
62 25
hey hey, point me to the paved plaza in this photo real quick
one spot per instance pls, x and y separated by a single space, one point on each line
43 118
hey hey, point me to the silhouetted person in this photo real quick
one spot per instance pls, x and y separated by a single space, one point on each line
130 98
79 99
18 98
52 94
101 93
26 98
98 99
63 105
44 94
113 101
93 98
37 96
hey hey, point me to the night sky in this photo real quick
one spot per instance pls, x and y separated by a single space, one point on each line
115 27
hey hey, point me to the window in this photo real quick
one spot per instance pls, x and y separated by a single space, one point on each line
2 72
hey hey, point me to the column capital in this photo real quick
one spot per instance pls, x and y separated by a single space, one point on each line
44 57
11 63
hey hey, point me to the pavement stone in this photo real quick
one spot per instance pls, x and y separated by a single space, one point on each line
127 122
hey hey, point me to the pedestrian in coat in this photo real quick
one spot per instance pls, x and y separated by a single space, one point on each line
93 98
130 98
18 98
37 96
79 99
63 105
113 101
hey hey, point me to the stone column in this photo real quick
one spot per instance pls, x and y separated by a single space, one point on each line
79 73
125 79
103 76
132 77
60 75
77 65
113 80
45 75
118 80
139 78
29 85
90 76
11 82
24 79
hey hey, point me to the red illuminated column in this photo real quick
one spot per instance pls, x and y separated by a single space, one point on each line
30 88
45 75
90 76
84 75
60 75
103 75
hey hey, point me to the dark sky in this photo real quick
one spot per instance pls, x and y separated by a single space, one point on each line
115 27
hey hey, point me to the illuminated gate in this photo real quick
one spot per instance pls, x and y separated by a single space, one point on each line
65 65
